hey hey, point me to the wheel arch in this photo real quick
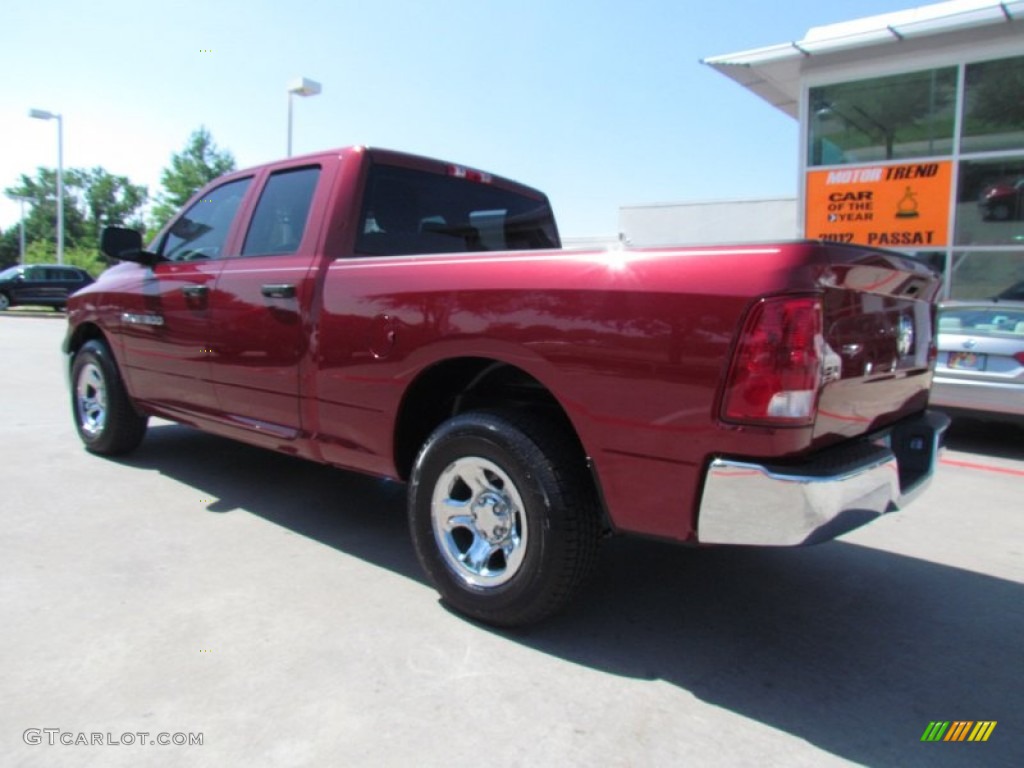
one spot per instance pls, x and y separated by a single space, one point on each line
457 385
79 335
82 334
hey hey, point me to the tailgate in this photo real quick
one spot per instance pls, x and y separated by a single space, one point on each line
879 341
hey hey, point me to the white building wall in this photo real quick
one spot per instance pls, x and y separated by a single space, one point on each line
593 243
709 223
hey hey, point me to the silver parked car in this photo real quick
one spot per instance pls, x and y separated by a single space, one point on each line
980 369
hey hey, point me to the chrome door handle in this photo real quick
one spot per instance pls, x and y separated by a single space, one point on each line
195 291
278 291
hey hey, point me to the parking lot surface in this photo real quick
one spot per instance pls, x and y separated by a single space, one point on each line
274 608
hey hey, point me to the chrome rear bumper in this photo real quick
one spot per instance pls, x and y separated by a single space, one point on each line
823 497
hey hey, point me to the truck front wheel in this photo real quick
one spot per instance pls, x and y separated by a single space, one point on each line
105 418
503 516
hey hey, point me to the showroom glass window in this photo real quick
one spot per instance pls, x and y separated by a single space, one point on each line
884 118
990 201
994 106
898 117
988 255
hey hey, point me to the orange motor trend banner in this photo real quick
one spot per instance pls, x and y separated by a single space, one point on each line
889 206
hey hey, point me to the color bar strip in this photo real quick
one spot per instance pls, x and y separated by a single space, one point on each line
982 730
958 732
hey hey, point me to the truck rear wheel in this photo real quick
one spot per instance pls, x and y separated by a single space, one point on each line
105 418
503 516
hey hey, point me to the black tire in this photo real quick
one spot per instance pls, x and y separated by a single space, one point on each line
532 518
105 418
999 212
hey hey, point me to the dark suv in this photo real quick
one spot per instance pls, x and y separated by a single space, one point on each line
45 284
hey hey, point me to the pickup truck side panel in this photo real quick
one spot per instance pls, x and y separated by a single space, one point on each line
636 371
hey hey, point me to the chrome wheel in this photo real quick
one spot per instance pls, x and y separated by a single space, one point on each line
503 514
479 522
91 391
4 302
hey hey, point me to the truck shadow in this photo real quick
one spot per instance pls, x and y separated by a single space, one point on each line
353 513
1005 441
852 649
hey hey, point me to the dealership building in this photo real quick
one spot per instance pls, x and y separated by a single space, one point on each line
911 138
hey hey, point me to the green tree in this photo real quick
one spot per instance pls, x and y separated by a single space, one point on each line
10 247
198 164
93 199
41 221
997 88
112 201
45 252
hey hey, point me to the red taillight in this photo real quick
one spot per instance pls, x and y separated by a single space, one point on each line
775 373
1019 357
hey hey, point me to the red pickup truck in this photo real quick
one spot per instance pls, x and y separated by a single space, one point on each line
418 320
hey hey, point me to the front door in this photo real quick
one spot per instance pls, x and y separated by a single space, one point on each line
167 335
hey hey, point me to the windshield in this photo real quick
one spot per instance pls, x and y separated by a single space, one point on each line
10 272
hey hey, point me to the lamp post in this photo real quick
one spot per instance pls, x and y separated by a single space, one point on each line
21 241
42 114
300 86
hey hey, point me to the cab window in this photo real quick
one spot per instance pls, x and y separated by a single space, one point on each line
408 211
281 214
201 231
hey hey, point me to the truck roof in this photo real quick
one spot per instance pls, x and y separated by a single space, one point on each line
404 159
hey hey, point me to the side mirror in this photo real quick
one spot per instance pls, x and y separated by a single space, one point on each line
125 245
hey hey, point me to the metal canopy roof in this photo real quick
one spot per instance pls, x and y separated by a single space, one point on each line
773 72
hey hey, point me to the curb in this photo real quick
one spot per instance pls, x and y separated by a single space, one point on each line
48 313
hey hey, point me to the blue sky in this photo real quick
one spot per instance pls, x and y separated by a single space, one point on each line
598 103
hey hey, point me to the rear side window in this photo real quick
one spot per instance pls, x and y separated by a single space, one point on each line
982 321
281 214
201 232
410 212
69 275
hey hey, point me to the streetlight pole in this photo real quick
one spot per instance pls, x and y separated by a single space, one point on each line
300 86
42 114
21 199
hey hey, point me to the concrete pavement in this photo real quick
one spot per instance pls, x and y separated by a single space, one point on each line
275 608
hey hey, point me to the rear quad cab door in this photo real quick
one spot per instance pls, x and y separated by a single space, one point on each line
166 335
259 333
60 283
